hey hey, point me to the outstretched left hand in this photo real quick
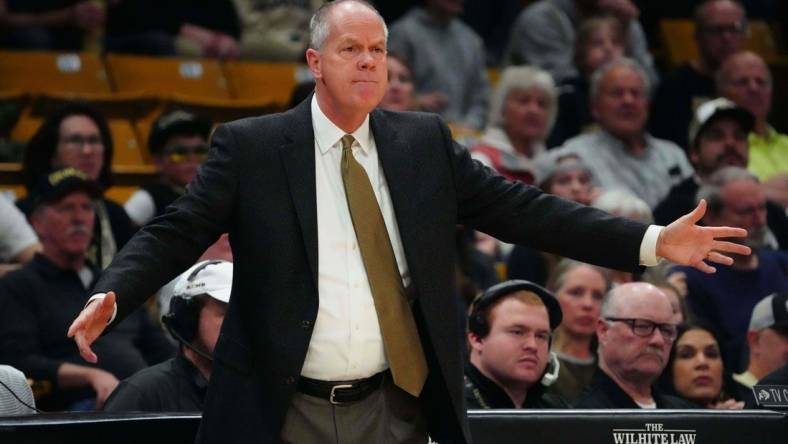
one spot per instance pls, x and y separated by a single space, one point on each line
685 243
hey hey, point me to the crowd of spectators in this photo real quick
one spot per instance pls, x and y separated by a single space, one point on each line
580 110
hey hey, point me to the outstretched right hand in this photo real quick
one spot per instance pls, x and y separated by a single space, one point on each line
92 320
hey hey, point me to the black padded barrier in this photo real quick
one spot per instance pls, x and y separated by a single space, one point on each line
487 427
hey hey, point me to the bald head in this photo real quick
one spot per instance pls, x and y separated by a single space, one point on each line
636 299
329 12
745 79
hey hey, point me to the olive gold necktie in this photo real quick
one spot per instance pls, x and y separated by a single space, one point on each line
398 328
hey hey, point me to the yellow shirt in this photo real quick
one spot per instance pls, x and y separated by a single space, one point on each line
768 155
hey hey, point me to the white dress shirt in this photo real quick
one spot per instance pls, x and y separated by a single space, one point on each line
346 341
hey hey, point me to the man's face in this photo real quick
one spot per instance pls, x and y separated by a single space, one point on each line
744 206
721 32
181 156
771 348
350 68
722 143
80 146
630 356
65 227
210 323
745 81
515 351
621 105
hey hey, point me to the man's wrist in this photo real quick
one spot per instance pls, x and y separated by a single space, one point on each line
648 246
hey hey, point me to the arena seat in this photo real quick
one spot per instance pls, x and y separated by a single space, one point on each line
36 72
268 83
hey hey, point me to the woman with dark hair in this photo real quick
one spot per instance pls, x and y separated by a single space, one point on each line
77 135
696 372
401 91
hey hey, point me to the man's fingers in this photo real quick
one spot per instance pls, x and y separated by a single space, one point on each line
731 247
84 348
718 232
720 258
704 267
697 214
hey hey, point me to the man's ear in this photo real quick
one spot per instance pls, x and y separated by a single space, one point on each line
475 342
753 341
37 220
601 330
313 60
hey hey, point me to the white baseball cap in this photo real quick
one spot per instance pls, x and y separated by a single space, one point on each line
211 277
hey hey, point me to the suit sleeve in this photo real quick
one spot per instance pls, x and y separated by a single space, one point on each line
173 241
518 213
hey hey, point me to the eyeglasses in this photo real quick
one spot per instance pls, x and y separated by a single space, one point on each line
734 28
79 141
182 153
645 328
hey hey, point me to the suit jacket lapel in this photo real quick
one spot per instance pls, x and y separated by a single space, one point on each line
399 167
298 158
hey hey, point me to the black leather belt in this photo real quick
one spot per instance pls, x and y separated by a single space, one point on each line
340 392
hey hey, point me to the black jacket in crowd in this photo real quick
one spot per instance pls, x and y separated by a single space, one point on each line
483 393
604 393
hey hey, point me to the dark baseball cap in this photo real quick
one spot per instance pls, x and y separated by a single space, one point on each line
58 184
173 123
498 291
770 312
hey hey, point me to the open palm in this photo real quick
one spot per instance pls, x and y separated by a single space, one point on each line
686 243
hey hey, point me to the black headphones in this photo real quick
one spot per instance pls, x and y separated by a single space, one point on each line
477 324
184 316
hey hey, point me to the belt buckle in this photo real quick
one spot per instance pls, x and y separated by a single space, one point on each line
333 390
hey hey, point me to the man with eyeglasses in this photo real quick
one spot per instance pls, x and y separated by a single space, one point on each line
720 27
635 332
178 143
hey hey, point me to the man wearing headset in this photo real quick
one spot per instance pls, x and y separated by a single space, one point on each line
509 330
195 316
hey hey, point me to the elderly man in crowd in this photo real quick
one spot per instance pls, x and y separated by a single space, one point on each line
726 298
38 301
767 338
509 330
720 27
635 333
745 79
621 154
195 317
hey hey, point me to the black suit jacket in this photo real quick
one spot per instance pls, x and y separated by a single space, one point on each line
258 184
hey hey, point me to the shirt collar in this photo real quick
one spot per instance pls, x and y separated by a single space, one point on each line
328 135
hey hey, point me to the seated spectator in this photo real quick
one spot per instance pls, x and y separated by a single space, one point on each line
720 28
77 135
566 177
635 335
718 139
275 31
400 90
510 364
777 377
697 373
173 27
579 288
18 241
726 298
767 338
40 300
178 143
544 34
745 79
621 154
600 40
522 111
447 59
49 24
16 396
194 319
